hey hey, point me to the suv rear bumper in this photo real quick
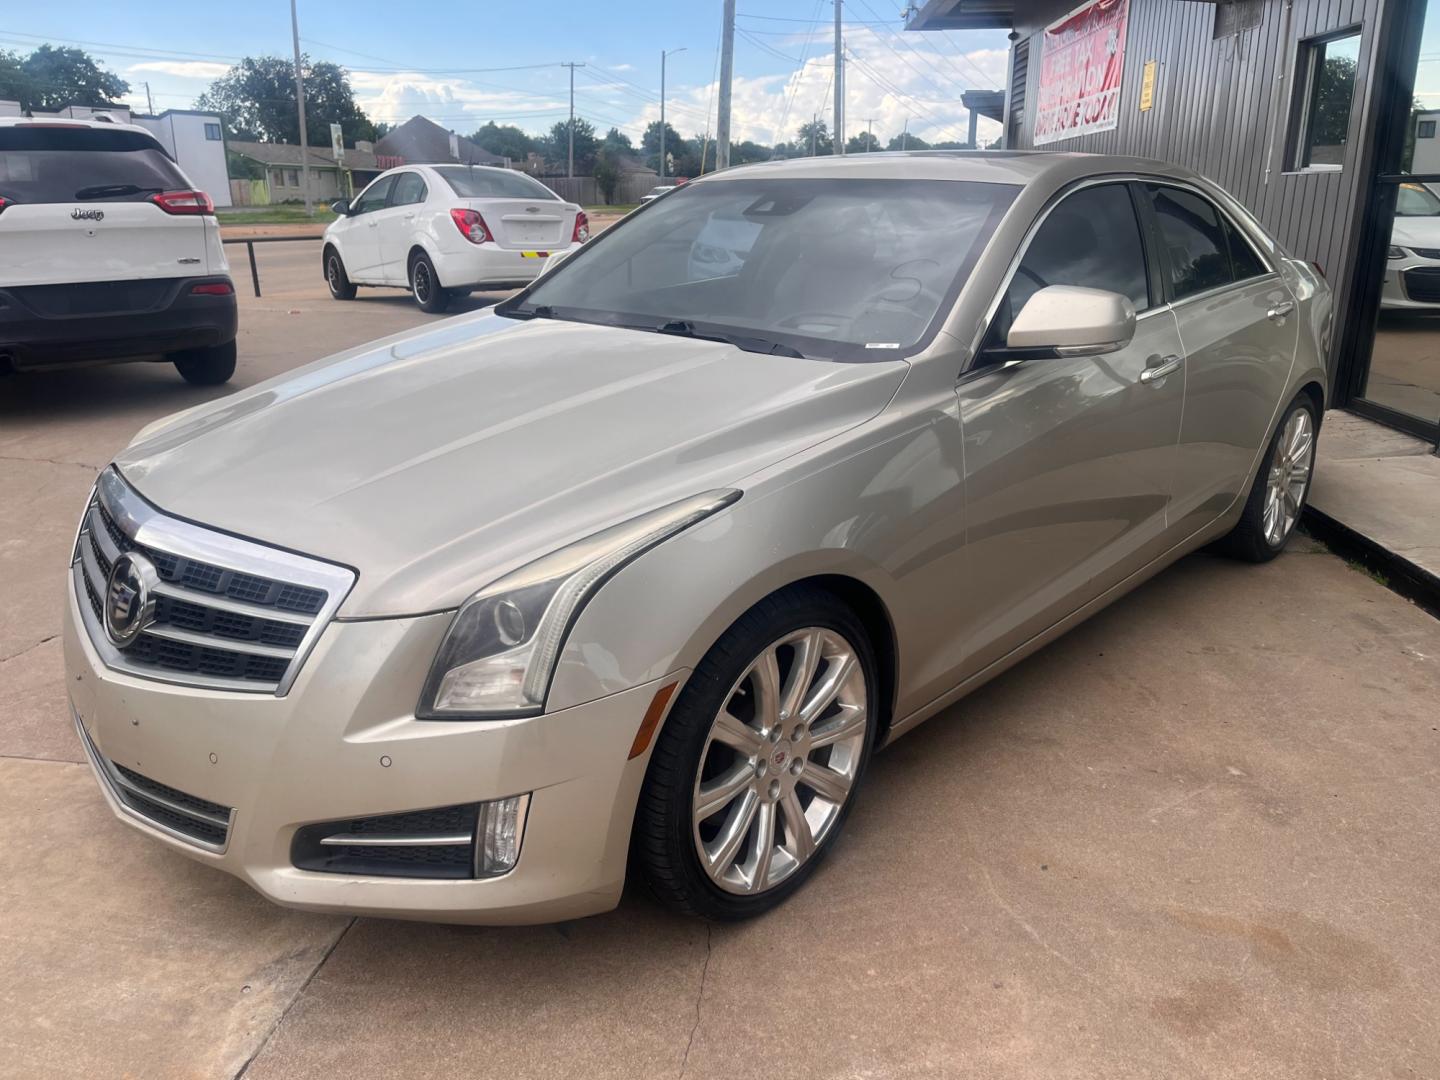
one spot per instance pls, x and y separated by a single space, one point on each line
46 325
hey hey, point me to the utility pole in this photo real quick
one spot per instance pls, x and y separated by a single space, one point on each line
149 102
839 84
300 102
814 129
905 135
727 71
570 161
869 138
663 55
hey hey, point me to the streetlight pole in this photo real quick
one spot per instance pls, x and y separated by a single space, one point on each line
300 101
570 160
839 81
663 55
905 135
869 138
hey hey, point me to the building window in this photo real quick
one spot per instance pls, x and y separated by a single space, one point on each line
1324 94
212 132
292 177
1237 16
1425 129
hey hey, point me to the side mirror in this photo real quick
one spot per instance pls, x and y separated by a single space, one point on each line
341 207
1070 320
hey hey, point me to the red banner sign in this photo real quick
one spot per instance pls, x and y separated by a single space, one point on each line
1082 58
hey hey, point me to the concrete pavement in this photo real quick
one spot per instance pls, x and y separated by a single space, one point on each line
1194 837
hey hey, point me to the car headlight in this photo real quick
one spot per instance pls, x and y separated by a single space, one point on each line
500 652
1397 253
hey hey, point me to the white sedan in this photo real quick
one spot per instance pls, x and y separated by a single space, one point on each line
444 230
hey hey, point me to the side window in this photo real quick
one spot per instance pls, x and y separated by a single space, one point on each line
1243 259
1190 229
373 197
1091 238
409 189
212 132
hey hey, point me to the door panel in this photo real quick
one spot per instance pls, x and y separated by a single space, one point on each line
397 226
1237 364
361 239
1068 467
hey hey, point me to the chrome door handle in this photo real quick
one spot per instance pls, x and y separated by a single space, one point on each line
1168 366
1280 310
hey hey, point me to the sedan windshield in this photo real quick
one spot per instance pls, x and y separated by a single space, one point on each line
843 269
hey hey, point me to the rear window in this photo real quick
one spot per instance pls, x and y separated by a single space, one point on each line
63 164
488 182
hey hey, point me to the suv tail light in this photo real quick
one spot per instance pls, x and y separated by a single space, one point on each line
184 202
213 288
582 228
471 225
4 202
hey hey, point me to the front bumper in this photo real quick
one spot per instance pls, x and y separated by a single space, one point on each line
344 743
54 325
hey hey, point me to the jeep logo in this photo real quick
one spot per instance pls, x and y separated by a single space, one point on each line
87 215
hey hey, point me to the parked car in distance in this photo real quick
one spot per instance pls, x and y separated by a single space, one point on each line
107 253
655 192
444 230
636 570
1412 270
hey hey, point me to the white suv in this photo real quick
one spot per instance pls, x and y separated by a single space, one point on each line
108 252
443 230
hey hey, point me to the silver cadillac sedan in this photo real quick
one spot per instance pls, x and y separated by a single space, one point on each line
635 572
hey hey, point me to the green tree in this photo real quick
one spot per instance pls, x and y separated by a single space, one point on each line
863 143
1334 91
257 99
814 137
910 142
506 140
557 146
49 78
743 153
650 145
617 142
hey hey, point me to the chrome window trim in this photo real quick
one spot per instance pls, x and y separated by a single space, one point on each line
113 781
151 528
1219 290
1098 181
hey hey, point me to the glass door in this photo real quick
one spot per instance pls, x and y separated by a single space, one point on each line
1400 304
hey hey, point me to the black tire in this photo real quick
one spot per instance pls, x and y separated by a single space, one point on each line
663 843
341 287
208 366
1248 540
425 285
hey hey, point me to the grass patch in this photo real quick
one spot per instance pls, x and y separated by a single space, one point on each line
274 215
618 208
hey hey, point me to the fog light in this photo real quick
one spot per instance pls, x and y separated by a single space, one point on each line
498 834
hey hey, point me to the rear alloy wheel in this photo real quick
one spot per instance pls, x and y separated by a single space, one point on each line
426 287
341 288
208 366
759 762
1278 495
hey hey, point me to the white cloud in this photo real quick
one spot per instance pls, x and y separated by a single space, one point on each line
459 104
182 69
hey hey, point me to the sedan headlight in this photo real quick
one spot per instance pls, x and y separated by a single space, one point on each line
499 654
1397 253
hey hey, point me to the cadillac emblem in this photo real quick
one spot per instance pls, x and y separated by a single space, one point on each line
130 598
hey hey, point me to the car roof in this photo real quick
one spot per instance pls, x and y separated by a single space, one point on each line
66 121
1021 167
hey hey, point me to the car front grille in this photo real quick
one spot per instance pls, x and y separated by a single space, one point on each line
227 622
1427 253
1423 284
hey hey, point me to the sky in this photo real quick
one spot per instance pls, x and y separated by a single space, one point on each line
462 64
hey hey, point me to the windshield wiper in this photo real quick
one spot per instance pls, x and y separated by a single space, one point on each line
115 191
747 342
540 311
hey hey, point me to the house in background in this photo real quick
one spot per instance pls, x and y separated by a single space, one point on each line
419 141
280 167
196 140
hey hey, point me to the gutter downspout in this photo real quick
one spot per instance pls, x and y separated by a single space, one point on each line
1284 79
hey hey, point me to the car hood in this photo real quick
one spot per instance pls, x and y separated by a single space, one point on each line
1416 232
436 460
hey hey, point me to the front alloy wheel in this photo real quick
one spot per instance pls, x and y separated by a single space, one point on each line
780 761
757 765
1288 477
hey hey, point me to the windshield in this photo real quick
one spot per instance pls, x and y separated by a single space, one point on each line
63 164
843 269
490 182
1416 200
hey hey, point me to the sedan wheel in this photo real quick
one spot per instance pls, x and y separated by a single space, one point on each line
759 762
1289 476
426 287
780 761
